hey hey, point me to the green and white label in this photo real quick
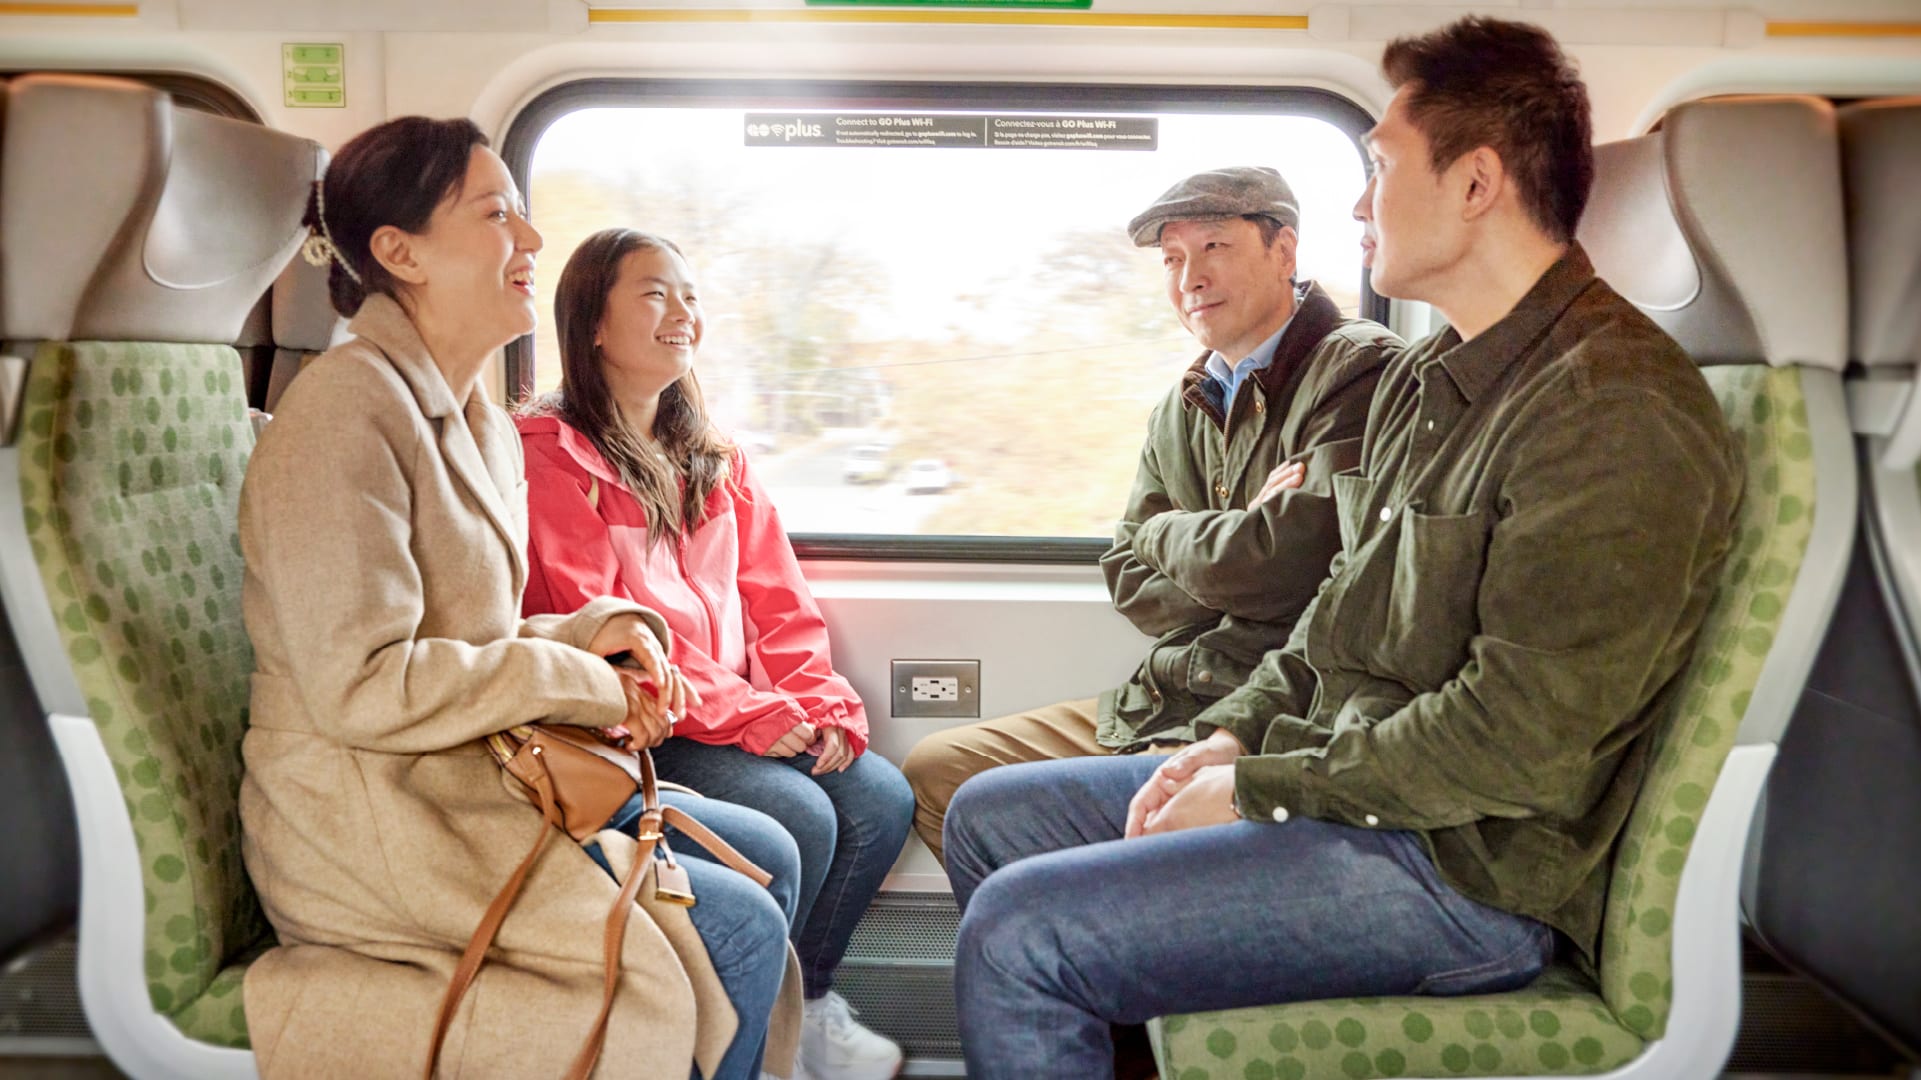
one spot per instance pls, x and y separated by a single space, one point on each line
315 76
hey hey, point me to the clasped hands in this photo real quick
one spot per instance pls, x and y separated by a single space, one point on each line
656 691
1191 789
832 751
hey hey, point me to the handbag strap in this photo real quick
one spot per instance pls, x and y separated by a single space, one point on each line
476 951
694 830
648 828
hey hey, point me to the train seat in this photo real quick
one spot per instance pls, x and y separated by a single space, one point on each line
139 236
1833 881
40 863
304 325
1672 225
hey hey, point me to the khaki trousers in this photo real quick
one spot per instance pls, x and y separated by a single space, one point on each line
944 760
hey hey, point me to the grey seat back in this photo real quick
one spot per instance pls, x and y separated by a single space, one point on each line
39 856
1836 884
305 325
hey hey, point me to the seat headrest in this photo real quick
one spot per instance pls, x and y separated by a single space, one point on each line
1881 158
3 137
1725 227
127 218
304 319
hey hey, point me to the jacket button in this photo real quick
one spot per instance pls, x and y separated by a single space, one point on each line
1221 490
1279 814
1371 820
1259 405
1386 514
1205 676
1430 425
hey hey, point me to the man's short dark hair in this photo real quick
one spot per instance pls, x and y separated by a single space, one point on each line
1508 86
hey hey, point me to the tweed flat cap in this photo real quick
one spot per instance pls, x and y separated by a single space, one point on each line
1216 194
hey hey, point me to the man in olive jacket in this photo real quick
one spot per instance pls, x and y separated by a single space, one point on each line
1231 523
1419 793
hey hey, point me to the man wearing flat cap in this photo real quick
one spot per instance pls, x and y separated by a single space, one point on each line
1231 524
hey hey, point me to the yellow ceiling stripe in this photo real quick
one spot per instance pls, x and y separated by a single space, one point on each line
1844 29
950 16
73 11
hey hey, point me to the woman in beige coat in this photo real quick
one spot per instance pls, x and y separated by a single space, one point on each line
383 523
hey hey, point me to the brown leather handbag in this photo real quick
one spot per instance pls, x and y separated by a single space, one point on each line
579 782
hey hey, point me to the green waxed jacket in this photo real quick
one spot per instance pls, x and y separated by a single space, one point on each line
1215 584
1527 551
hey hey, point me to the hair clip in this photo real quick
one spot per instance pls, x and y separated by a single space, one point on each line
319 248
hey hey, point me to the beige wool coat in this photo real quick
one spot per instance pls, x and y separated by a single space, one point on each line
384 526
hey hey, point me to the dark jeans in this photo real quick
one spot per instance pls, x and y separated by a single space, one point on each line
849 825
744 926
1067 928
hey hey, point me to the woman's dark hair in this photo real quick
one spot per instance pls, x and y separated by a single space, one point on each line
393 174
671 483
1508 86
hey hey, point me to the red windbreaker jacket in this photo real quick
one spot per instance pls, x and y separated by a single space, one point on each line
747 633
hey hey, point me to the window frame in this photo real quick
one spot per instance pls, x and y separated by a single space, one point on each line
531 123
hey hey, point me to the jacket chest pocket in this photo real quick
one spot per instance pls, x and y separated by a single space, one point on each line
1409 588
1432 608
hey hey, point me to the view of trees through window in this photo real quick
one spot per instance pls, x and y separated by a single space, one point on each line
952 339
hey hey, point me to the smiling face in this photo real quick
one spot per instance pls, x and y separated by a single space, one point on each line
652 325
476 256
1231 291
1415 232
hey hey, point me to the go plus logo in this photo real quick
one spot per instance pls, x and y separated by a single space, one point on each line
785 130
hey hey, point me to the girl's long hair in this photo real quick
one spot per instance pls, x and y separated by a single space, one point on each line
672 483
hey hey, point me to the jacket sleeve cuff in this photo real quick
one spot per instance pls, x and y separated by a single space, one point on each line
834 715
607 705
1277 787
1243 725
579 628
1146 542
1267 788
756 737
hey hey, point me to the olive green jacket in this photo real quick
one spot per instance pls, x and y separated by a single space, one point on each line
1527 551
1216 584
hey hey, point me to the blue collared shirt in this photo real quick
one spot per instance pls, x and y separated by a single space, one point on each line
1229 378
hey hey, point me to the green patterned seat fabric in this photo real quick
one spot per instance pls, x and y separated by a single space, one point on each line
1556 1025
1564 1024
1766 408
131 457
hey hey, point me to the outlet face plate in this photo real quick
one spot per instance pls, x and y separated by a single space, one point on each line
936 688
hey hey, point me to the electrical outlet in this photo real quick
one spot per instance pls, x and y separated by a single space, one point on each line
934 688
937 688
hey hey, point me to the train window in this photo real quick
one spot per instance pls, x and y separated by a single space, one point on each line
924 318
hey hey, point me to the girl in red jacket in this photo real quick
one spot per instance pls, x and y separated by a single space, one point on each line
632 492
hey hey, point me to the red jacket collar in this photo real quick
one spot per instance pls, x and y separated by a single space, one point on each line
548 428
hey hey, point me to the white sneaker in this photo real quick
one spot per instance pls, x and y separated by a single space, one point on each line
833 1046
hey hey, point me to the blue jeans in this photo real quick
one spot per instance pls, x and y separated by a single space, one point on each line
744 926
1067 928
849 825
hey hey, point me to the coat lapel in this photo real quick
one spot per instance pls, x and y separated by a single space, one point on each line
471 439
473 448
